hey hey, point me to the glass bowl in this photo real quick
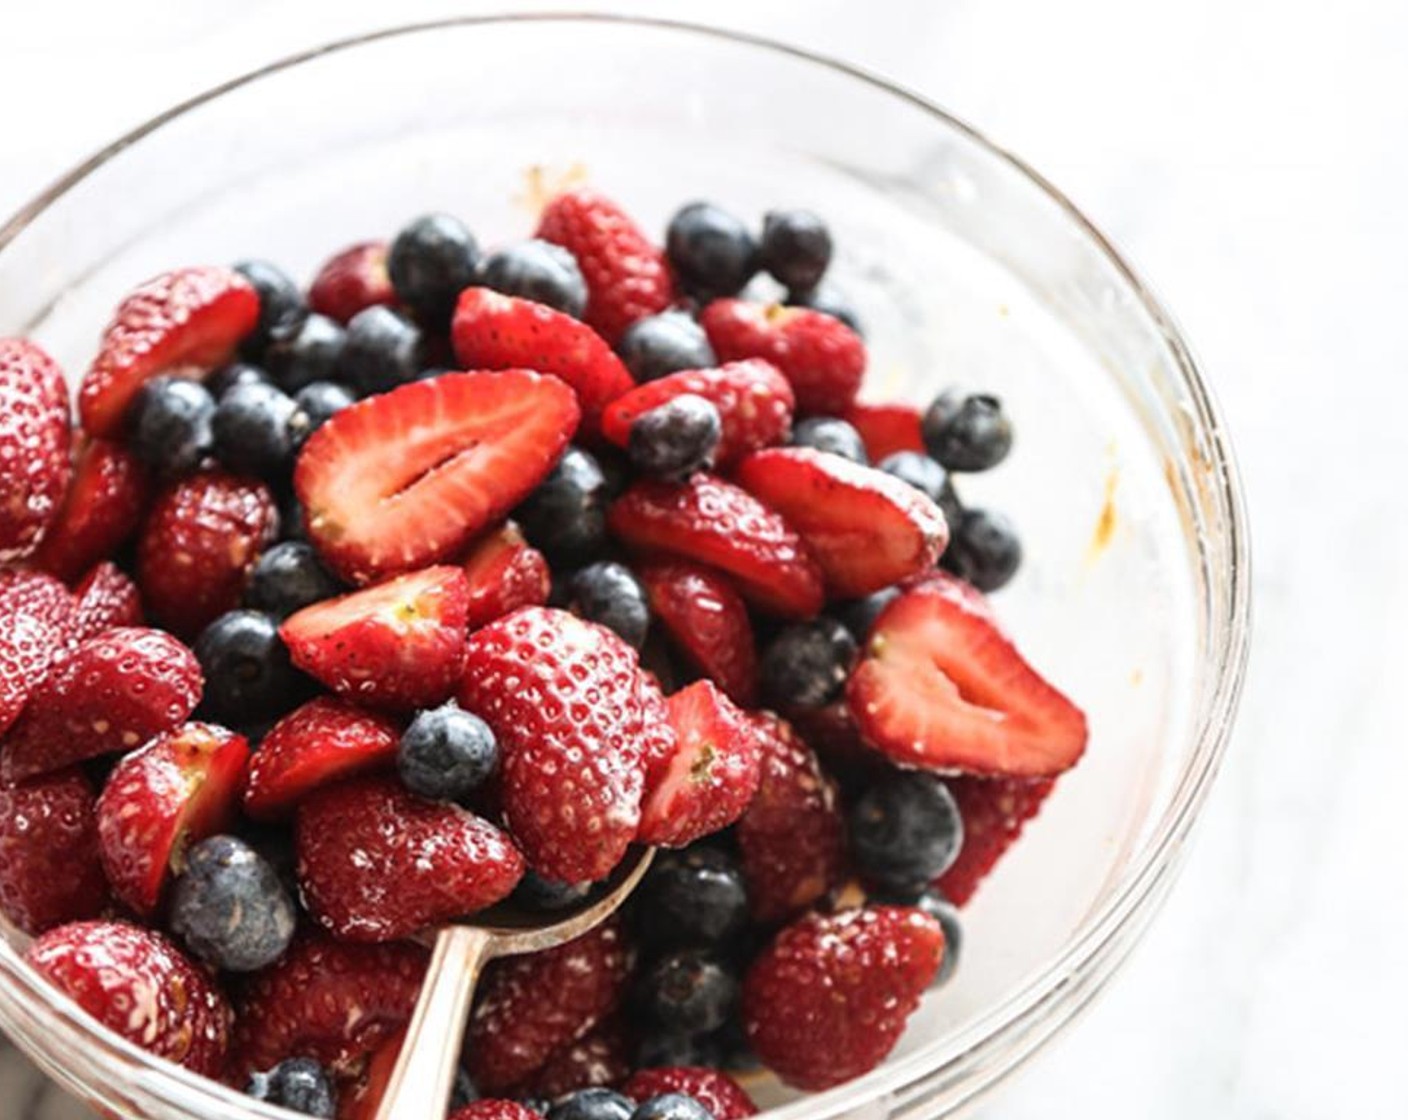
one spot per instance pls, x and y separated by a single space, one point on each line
966 267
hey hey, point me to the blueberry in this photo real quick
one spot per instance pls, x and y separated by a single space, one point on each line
541 1105
169 424
251 431
229 908
807 663
293 524
384 349
859 615
711 251
287 578
689 991
317 403
311 354
236 373
540 271
967 433
905 829
463 1091
607 593
941 910
736 1052
826 299
984 549
830 433
446 753
677 438
431 261
591 1104
671 1106
671 1049
926 476
282 308
298 1084
795 248
663 344
248 675
615 469
691 898
566 515
545 896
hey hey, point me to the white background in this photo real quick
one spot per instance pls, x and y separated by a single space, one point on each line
1252 158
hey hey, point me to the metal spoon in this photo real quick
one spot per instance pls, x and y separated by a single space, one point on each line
421 1082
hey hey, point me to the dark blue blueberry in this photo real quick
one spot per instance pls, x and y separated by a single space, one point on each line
859 615
829 433
795 248
317 403
446 753
463 1091
287 578
540 271
229 907
941 910
984 549
297 1084
905 829
251 431
431 261
807 663
671 1049
711 251
430 373
663 344
384 349
671 1106
248 675
541 1105
607 593
169 424
826 299
591 1104
282 308
545 896
566 515
311 354
967 433
926 476
736 1051
677 438
691 898
615 468
689 991
236 373
293 525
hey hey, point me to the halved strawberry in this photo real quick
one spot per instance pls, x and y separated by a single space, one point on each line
707 621
34 446
410 477
713 521
315 745
351 281
886 428
189 320
398 644
867 529
942 688
994 812
504 573
360 1097
178 789
106 598
102 509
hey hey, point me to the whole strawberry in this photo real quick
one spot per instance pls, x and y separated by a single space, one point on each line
351 281
886 428
106 598
707 621
495 1109
50 872
23 591
724 1097
34 446
602 1056
101 510
504 573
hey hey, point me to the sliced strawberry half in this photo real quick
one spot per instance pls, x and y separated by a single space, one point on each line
994 812
360 1097
941 687
504 573
706 620
189 320
886 428
410 477
867 529
102 509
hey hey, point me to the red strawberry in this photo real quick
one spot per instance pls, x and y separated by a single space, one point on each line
175 791
360 1097
322 742
491 1109
351 281
994 811
529 1007
867 529
627 276
563 697
828 999
408 478
198 546
111 694
34 446
602 1056
792 836
39 595
399 644
189 319
505 572
102 509
724 1097
708 623
714 522
886 428
138 984
106 598
28 645
755 403
49 867
941 687
822 357
709 779
377 863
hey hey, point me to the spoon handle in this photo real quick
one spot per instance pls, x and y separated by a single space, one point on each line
421 1082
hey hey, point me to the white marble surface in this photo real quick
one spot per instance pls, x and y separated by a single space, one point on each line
1252 158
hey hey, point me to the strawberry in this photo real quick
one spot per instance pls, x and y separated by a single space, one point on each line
102 509
724 1097
504 573
828 999
490 1108
377 863
39 595
351 281
792 837
941 687
822 357
28 645
198 546
599 1057
180 788
707 621
886 428
528 1007
50 872
189 320
410 477
34 446
708 781
398 644
755 404
106 598
867 529
627 276
138 984
994 811
359 1097
493 331
315 745
111 694
714 522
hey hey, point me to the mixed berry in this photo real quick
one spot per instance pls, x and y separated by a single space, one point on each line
343 613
